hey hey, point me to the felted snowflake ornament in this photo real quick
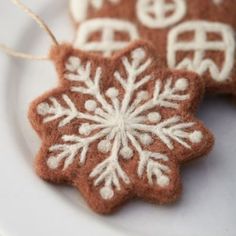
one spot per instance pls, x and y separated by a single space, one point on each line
118 128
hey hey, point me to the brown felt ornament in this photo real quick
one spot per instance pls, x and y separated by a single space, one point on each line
117 128
197 35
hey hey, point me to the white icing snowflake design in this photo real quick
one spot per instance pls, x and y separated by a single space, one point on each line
123 122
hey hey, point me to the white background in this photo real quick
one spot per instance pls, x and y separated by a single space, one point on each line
29 206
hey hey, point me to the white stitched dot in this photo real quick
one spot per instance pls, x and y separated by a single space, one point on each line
43 108
146 139
196 137
182 84
104 146
126 153
73 64
52 163
90 105
142 95
106 193
112 92
154 117
163 181
138 53
85 129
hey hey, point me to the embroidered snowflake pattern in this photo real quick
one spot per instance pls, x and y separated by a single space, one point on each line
136 117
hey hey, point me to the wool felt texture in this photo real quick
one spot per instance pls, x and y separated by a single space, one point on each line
118 128
188 34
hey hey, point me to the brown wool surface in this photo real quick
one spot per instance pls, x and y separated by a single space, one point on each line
78 176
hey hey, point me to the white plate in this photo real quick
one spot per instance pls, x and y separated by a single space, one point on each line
29 206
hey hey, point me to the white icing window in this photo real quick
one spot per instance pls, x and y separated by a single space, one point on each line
200 44
107 29
79 8
160 13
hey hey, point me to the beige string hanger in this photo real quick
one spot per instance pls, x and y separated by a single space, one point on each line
40 23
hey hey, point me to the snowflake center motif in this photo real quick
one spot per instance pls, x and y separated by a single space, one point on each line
120 123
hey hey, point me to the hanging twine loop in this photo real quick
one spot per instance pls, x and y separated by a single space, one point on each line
41 24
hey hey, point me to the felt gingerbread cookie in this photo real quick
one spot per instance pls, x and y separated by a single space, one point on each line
120 127
197 35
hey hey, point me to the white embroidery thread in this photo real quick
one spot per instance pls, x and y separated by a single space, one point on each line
200 45
160 13
217 2
107 27
79 8
120 126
